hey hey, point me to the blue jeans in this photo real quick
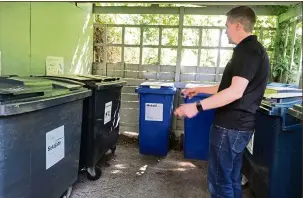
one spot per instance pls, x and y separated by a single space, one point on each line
225 161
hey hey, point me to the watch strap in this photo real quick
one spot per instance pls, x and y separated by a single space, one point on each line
199 106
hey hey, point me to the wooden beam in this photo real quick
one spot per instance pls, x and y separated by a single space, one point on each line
134 10
297 11
218 57
173 26
293 42
221 3
179 50
222 10
205 10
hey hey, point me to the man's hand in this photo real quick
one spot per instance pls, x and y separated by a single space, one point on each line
186 110
190 92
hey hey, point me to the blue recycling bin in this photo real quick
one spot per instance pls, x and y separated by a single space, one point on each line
196 132
155 121
272 162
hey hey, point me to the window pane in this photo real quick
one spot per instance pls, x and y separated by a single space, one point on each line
138 19
170 36
113 54
205 20
132 36
189 57
114 35
266 21
225 56
168 56
150 56
209 58
210 37
150 36
190 37
131 55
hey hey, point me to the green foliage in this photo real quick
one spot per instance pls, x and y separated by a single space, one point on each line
282 70
277 10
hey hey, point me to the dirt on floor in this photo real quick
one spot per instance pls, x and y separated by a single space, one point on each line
131 175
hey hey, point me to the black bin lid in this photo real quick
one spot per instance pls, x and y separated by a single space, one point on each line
84 78
92 81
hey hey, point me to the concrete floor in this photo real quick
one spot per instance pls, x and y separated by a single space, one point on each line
131 175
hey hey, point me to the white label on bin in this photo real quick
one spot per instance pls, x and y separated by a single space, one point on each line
108 112
55 148
154 112
250 146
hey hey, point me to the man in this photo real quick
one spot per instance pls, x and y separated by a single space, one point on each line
236 99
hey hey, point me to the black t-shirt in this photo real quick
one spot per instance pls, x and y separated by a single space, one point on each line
249 60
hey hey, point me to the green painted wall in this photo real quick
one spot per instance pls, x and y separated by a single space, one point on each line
15 38
29 32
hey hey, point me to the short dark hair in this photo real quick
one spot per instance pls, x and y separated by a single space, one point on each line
244 15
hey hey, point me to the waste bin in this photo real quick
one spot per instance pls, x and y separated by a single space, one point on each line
101 116
156 109
40 133
272 162
197 130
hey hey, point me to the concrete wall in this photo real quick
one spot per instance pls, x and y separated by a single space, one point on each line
29 32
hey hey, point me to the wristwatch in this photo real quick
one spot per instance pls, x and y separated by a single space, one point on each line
199 106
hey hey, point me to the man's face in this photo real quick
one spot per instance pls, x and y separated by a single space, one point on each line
231 30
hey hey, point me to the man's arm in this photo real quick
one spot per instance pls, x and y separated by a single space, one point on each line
224 97
191 92
208 89
228 95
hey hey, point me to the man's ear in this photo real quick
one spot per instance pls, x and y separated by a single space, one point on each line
239 26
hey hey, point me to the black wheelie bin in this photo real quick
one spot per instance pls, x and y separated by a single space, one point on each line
101 116
40 134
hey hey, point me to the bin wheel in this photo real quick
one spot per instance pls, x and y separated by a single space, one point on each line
68 193
93 174
113 149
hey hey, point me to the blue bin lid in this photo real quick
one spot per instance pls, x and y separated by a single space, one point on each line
201 95
157 88
277 104
283 97
191 85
